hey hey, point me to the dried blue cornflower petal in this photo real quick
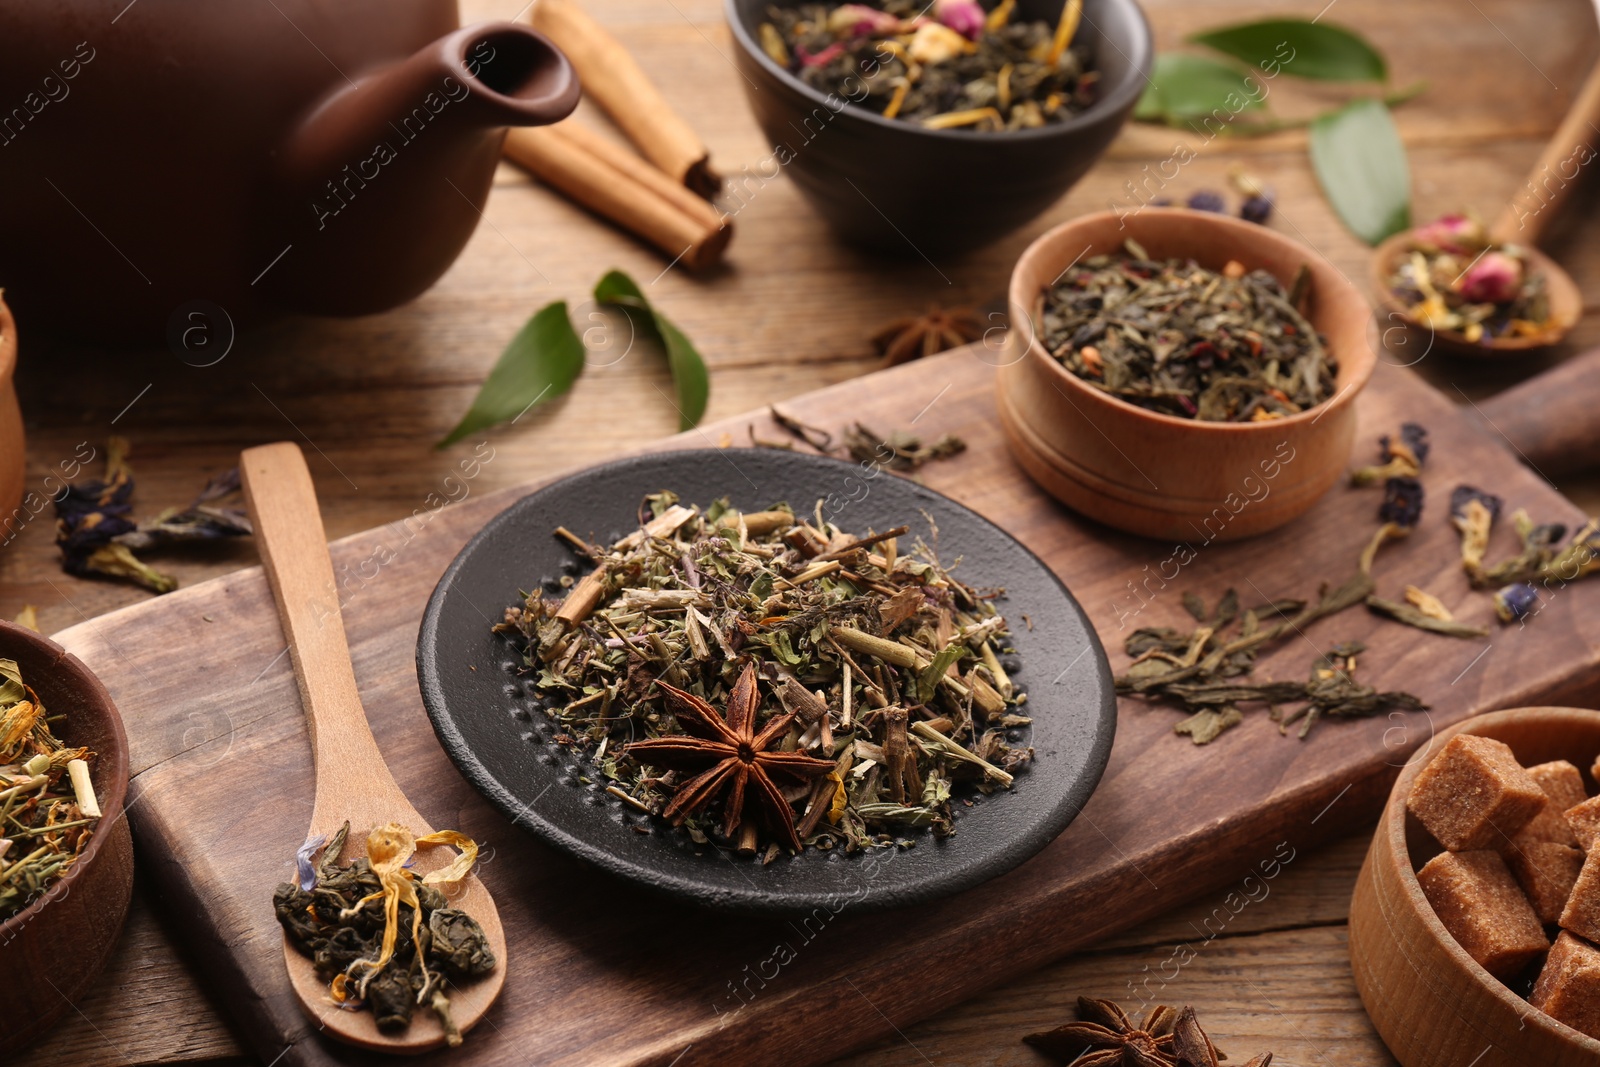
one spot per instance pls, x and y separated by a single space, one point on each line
1256 209
1414 437
1516 601
1206 200
1464 494
1398 457
304 861
1402 502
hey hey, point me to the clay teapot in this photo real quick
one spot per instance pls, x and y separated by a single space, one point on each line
259 158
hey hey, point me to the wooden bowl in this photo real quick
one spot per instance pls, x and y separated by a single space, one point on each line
67 934
1432 1004
1566 305
12 459
1159 475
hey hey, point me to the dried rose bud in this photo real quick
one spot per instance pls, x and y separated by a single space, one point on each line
1495 278
857 19
963 16
1451 233
933 43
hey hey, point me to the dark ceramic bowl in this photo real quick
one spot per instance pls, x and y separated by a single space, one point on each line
67 934
490 718
896 186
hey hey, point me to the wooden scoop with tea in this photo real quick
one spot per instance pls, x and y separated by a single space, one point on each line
353 781
1560 167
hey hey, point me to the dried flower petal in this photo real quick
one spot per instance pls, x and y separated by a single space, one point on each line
1495 278
963 16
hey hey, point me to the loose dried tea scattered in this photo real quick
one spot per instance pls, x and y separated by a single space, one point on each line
900 450
98 536
48 808
948 64
1453 277
385 939
1105 1036
772 682
1204 671
1177 338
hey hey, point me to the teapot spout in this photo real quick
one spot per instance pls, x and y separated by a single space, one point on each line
384 180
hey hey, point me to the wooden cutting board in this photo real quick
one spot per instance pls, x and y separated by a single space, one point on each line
600 973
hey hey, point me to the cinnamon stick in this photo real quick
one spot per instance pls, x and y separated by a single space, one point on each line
614 183
612 79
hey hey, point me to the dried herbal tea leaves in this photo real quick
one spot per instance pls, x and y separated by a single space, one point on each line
48 808
1453 277
1179 339
771 681
385 938
948 64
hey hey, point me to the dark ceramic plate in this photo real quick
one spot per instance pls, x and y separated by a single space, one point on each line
490 721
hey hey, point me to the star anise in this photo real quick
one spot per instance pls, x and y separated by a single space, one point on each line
936 330
1104 1036
727 752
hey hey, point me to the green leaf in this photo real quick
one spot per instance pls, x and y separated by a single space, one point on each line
1361 165
688 369
1184 87
541 362
1300 49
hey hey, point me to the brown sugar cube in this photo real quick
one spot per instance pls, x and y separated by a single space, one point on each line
1474 794
1584 819
1563 784
1582 913
1547 871
1568 989
1478 901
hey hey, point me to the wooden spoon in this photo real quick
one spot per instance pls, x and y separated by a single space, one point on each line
1521 223
353 782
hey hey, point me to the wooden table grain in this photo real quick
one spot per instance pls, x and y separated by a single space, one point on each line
791 312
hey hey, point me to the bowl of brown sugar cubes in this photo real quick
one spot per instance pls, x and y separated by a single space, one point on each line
1476 919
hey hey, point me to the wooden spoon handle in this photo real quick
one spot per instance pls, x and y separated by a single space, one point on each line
1552 420
294 552
1573 145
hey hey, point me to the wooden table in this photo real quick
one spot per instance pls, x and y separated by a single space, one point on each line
792 312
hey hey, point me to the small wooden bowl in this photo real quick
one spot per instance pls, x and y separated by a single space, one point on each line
12 453
68 933
1158 475
1566 305
1432 1004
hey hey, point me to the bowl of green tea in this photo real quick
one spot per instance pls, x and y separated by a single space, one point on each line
931 126
66 856
1180 374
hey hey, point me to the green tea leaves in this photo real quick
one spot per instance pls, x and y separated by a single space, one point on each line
547 355
541 363
1184 87
1355 149
1361 164
1300 49
688 369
